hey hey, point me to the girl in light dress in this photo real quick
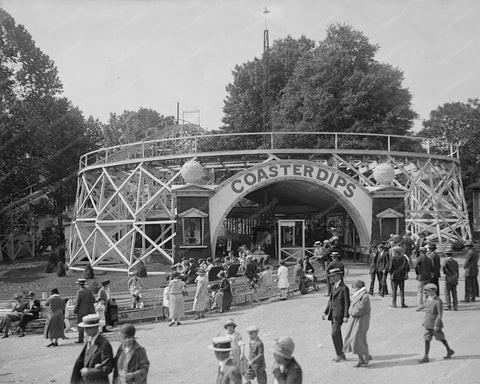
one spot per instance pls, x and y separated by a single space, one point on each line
237 345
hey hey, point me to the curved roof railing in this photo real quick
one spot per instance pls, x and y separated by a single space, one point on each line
348 141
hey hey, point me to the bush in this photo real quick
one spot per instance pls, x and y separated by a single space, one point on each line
61 272
49 267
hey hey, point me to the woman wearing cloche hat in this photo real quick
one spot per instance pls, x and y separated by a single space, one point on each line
285 368
201 301
237 345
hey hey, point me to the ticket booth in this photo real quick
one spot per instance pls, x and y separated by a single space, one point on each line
291 240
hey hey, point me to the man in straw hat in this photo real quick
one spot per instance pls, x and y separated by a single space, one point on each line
131 361
335 264
96 359
31 312
14 315
285 368
471 272
84 305
433 322
228 372
337 311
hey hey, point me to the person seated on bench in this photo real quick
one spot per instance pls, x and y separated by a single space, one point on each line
251 271
232 270
310 272
31 312
15 315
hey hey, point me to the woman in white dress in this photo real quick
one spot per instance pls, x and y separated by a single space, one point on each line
283 284
236 344
202 300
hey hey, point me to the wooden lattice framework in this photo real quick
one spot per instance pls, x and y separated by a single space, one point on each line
124 190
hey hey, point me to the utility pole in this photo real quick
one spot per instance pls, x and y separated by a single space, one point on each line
266 77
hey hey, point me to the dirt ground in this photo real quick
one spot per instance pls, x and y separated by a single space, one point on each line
181 355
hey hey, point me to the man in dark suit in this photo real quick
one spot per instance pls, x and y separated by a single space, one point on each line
31 312
471 272
399 267
424 270
382 268
336 263
435 257
373 269
84 305
228 372
337 311
14 315
96 359
450 269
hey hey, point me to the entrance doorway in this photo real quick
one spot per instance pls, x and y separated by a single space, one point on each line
291 240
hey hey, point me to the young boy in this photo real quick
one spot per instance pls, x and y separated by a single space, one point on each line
433 322
256 359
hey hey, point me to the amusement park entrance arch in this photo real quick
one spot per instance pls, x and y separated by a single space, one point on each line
354 197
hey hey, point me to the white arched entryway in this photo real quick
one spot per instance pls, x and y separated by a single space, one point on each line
347 191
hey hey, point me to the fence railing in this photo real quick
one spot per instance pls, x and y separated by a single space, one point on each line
269 141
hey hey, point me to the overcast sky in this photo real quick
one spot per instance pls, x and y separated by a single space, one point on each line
122 55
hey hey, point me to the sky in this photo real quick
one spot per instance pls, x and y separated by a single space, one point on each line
117 55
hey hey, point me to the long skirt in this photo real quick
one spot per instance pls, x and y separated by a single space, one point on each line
54 326
227 300
177 306
356 336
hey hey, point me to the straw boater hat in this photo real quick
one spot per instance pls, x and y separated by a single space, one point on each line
252 328
30 294
18 296
284 347
230 322
335 271
90 321
430 287
81 281
317 243
221 344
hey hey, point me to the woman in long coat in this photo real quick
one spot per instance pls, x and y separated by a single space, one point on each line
54 327
283 284
356 337
177 304
202 300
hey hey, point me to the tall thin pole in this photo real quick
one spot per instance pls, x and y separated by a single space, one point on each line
266 78
178 113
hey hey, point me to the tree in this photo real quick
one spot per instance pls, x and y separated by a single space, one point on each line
243 104
341 87
133 126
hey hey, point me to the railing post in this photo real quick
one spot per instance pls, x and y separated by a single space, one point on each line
271 140
388 138
195 145
336 140
143 149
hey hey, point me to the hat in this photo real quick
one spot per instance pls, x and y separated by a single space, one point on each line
201 271
326 242
422 249
431 245
191 260
89 321
100 298
448 252
82 281
127 330
221 344
30 294
335 254
468 243
18 296
105 282
430 287
175 274
252 328
229 322
359 284
221 274
317 243
335 271
284 347
249 257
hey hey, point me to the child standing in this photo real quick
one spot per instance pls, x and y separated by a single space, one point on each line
100 310
256 358
433 322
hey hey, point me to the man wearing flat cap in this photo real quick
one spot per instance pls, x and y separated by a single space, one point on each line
14 315
228 372
31 312
84 305
131 361
337 311
285 368
424 271
96 359
450 269
433 323
471 272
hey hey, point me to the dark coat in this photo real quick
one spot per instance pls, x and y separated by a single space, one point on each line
338 303
100 353
424 268
229 375
471 263
399 267
256 349
435 257
383 260
36 308
373 260
408 244
292 373
138 364
450 269
84 303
